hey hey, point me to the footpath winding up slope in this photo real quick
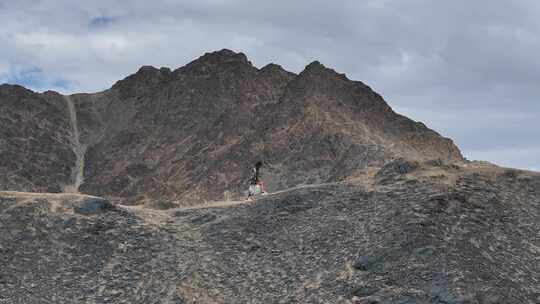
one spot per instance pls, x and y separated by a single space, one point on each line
78 148
409 233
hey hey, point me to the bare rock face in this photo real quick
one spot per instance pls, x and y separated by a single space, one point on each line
193 133
434 234
35 141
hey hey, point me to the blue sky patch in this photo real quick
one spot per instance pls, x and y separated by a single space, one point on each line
29 77
101 22
35 79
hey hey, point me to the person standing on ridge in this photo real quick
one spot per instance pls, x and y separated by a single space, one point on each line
256 186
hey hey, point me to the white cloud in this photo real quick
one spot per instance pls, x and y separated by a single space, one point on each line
467 69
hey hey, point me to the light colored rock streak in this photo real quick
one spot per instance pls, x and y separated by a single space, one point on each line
77 173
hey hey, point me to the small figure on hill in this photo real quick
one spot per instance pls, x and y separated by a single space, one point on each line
256 185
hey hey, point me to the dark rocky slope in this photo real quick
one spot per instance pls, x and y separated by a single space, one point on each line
190 134
408 233
35 141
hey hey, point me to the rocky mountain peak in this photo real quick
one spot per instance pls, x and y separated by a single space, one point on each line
314 66
224 56
145 78
148 74
276 73
222 62
150 71
316 71
273 68
192 134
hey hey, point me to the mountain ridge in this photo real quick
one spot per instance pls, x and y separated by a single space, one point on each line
192 133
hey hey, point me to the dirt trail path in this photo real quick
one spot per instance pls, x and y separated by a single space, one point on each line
78 148
164 216
222 204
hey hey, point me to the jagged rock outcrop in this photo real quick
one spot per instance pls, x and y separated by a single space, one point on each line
190 134
412 232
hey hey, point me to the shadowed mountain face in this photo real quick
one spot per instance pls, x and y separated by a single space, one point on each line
193 133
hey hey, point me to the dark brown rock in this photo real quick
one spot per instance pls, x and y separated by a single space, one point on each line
35 152
191 134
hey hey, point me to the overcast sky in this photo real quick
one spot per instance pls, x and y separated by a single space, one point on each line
468 69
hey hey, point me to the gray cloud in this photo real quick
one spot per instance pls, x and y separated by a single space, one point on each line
467 69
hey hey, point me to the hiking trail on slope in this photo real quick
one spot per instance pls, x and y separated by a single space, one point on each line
77 172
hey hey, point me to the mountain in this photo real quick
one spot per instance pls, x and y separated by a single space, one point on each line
409 232
118 196
191 134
